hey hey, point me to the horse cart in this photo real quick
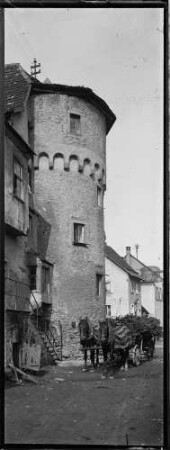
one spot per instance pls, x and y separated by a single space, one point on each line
143 348
143 332
129 339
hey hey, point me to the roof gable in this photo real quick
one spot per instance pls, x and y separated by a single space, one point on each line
120 262
147 273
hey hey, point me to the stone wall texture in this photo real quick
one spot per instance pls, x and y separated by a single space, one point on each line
67 194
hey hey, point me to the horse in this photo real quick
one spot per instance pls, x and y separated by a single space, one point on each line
104 338
89 339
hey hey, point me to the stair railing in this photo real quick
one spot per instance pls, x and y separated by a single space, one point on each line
52 339
48 333
17 294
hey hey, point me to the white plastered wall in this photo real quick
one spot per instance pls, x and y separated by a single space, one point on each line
117 292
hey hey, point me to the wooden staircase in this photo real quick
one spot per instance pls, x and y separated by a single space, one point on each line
53 347
52 343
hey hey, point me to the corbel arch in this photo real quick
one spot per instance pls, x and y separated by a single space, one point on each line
58 161
87 167
73 163
43 161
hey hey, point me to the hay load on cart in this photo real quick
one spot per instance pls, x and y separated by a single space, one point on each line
143 332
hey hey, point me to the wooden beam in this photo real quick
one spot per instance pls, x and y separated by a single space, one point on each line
24 375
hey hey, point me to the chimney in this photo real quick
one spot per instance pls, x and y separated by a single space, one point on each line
137 249
47 81
127 257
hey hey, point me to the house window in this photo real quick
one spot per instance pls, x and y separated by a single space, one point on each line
18 180
108 310
79 233
30 230
45 278
75 127
98 283
32 277
108 286
30 179
99 196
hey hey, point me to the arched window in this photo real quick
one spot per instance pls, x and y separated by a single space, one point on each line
87 167
59 161
74 165
43 161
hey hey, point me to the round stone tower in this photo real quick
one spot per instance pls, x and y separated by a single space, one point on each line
70 128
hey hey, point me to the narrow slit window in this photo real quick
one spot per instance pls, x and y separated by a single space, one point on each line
108 310
99 196
98 283
75 124
79 233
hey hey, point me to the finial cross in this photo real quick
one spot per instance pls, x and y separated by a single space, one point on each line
34 66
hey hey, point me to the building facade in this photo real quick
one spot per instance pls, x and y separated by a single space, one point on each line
70 127
123 286
64 241
26 232
151 286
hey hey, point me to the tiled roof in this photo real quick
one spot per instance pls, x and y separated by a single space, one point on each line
147 273
17 87
119 261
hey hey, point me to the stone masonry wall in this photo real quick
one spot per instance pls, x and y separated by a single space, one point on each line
67 196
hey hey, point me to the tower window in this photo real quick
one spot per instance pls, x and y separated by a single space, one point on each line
98 283
108 310
79 233
75 125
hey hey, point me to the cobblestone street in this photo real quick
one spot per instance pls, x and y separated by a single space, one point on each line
70 406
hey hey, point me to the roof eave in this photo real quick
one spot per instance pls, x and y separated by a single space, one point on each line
27 149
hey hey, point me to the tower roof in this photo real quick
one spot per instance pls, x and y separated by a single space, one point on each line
17 87
78 91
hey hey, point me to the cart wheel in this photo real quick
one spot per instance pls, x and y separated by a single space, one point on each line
150 353
136 356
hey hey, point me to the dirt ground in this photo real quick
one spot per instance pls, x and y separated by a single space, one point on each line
69 406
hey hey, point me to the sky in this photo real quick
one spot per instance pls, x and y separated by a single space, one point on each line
117 52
